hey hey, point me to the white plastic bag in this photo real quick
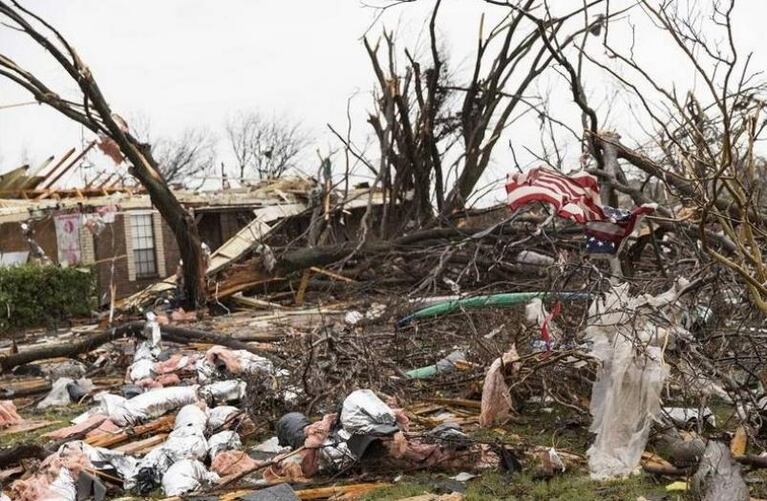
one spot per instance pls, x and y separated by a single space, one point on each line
186 476
59 394
62 488
363 412
157 402
141 369
626 394
110 405
224 391
218 416
223 441
191 416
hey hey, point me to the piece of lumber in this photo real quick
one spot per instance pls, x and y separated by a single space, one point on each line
252 302
753 461
338 491
454 496
10 472
739 442
24 388
171 333
302 287
141 446
457 402
107 439
26 427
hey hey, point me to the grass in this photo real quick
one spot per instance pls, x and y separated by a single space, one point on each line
60 416
548 426
522 487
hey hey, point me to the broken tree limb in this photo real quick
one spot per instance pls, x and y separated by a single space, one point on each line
181 335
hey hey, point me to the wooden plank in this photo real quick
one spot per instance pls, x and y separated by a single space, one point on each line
302 287
26 427
340 491
251 234
107 439
141 446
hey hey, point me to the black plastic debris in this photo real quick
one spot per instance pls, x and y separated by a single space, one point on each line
290 429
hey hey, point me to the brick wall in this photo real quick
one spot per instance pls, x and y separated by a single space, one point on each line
111 246
112 243
11 239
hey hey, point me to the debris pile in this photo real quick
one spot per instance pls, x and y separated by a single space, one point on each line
369 383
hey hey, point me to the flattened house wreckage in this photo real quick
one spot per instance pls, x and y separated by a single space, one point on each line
115 229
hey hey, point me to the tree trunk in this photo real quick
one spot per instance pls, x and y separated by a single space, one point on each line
96 114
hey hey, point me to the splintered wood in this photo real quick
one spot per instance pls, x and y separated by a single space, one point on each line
107 440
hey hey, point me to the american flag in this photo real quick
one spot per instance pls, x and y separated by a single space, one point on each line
576 197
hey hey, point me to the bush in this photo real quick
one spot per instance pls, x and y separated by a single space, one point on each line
33 295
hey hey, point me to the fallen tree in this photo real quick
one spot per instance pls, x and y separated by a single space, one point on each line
179 335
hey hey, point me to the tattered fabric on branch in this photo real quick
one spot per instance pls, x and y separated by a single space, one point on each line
576 198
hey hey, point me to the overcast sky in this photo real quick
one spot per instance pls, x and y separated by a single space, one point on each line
184 63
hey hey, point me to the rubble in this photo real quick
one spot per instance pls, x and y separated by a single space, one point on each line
337 375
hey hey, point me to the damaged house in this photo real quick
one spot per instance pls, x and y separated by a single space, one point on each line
116 230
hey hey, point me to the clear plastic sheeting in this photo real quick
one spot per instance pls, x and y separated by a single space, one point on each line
62 488
55 478
125 466
496 396
223 441
534 258
628 335
187 476
335 454
152 330
147 351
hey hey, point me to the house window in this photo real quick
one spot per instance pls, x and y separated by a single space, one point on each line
144 254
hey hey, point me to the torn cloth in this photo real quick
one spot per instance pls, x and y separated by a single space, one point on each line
496 398
576 198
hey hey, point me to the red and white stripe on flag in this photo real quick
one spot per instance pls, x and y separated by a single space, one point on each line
574 197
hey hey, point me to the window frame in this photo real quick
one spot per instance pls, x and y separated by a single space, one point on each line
143 245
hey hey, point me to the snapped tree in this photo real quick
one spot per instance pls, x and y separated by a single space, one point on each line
90 108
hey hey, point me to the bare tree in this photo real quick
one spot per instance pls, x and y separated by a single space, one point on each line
264 147
701 145
189 156
436 132
89 107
